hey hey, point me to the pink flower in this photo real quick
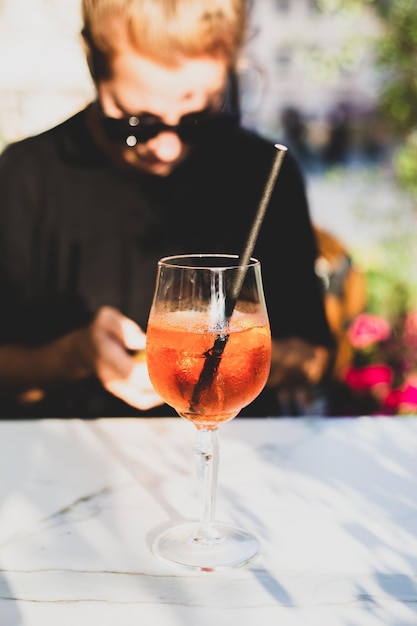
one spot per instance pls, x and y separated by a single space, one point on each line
364 378
409 394
402 400
367 329
392 401
384 364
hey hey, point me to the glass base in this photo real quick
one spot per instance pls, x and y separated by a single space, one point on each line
226 548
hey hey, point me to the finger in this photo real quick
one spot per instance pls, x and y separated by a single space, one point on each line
125 330
114 362
133 336
140 398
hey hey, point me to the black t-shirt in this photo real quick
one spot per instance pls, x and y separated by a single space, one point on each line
76 234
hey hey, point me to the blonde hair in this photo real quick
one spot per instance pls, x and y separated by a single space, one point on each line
163 30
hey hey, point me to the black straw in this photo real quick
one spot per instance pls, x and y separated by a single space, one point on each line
214 354
255 228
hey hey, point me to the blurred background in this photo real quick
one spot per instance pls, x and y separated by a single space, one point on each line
335 80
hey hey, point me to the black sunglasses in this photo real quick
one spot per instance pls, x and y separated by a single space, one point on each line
192 128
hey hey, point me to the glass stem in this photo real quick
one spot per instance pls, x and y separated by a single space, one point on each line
207 457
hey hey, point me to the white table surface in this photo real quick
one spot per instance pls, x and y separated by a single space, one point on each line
333 502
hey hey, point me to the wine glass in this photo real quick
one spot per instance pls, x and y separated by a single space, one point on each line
208 353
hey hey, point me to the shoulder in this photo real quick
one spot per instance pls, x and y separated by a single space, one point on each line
239 165
36 148
251 157
33 169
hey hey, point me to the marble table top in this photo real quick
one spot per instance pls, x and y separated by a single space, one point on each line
332 501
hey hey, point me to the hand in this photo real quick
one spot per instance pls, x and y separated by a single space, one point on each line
296 368
295 363
106 343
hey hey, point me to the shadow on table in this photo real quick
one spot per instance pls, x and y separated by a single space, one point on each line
368 463
272 586
9 613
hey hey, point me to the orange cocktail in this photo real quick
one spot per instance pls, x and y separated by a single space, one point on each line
208 350
178 343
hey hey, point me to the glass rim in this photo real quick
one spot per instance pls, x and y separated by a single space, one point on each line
175 261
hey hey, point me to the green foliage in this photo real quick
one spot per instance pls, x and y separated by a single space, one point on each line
396 57
391 279
395 49
391 275
347 52
405 164
347 6
388 295
396 54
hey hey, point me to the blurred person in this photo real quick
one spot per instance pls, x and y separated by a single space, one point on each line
156 165
295 135
337 149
